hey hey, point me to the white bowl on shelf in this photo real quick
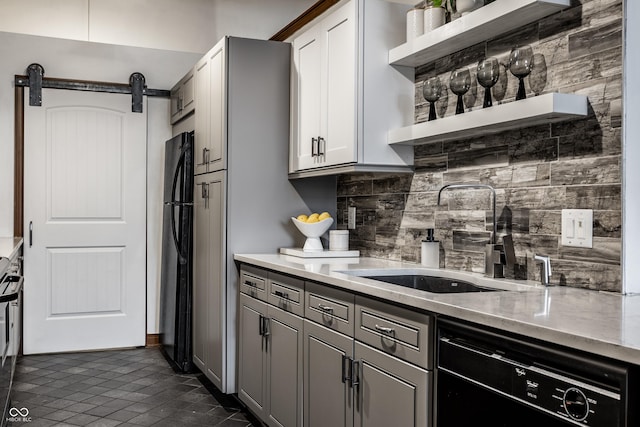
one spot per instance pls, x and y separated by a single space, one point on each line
312 232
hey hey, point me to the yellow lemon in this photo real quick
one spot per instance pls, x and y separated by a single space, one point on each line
324 215
302 217
313 217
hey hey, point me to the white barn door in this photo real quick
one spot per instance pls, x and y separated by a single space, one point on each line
85 215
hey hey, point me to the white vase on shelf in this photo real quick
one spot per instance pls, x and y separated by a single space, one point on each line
415 23
434 17
465 6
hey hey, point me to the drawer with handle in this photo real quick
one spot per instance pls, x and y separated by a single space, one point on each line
253 282
330 307
394 330
287 293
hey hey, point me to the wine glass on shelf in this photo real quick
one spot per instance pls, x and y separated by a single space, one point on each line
520 65
488 73
459 84
431 90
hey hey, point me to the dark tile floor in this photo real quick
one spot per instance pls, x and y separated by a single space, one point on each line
135 387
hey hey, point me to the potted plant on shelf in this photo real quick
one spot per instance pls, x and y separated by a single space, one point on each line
434 15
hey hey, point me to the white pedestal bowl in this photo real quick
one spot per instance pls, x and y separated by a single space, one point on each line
313 231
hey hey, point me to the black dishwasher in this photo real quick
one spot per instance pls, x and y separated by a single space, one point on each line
487 378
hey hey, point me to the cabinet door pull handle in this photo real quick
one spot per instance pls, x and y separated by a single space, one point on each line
281 294
322 146
267 326
355 373
267 332
30 233
325 308
346 366
205 156
314 147
205 190
385 330
261 325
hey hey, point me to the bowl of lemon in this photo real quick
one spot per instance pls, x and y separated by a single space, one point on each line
313 226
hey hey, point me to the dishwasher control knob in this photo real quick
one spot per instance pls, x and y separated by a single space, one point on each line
575 403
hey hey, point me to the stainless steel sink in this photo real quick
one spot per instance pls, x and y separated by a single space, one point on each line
438 285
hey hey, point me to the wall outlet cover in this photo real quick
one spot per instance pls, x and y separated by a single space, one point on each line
577 228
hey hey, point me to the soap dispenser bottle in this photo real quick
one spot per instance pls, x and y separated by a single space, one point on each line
430 256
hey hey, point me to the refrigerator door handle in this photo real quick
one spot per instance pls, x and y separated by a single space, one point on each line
176 175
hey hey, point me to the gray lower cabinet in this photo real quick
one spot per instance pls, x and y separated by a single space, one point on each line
270 362
209 290
251 355
390 392
351 361
365 387
328 394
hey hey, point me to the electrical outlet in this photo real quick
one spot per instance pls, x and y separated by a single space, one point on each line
351 218
577 228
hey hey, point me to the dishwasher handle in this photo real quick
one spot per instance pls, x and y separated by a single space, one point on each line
496 371
476 363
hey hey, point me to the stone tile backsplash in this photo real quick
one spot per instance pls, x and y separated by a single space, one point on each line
536 171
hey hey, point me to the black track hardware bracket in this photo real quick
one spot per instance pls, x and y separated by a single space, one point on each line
136 87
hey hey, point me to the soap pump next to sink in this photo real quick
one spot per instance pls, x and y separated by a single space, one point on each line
496 256
430 251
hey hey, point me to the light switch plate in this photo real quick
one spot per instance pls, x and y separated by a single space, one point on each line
577 228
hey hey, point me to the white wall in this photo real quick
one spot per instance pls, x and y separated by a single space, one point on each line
631 150
107 40
181 25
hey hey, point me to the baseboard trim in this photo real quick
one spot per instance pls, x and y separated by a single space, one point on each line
153 340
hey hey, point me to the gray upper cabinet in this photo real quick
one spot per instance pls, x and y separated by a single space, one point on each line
210 103
183 97
345 96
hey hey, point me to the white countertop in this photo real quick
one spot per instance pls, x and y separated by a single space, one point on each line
9 246
601 323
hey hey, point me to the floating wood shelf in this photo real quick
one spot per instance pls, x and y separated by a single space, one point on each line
484 23
536 110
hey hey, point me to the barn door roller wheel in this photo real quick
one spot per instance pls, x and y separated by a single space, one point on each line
35 73
136 80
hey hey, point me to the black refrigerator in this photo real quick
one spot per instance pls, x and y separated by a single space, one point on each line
177 236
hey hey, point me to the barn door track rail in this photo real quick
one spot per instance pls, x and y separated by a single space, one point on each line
36 81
